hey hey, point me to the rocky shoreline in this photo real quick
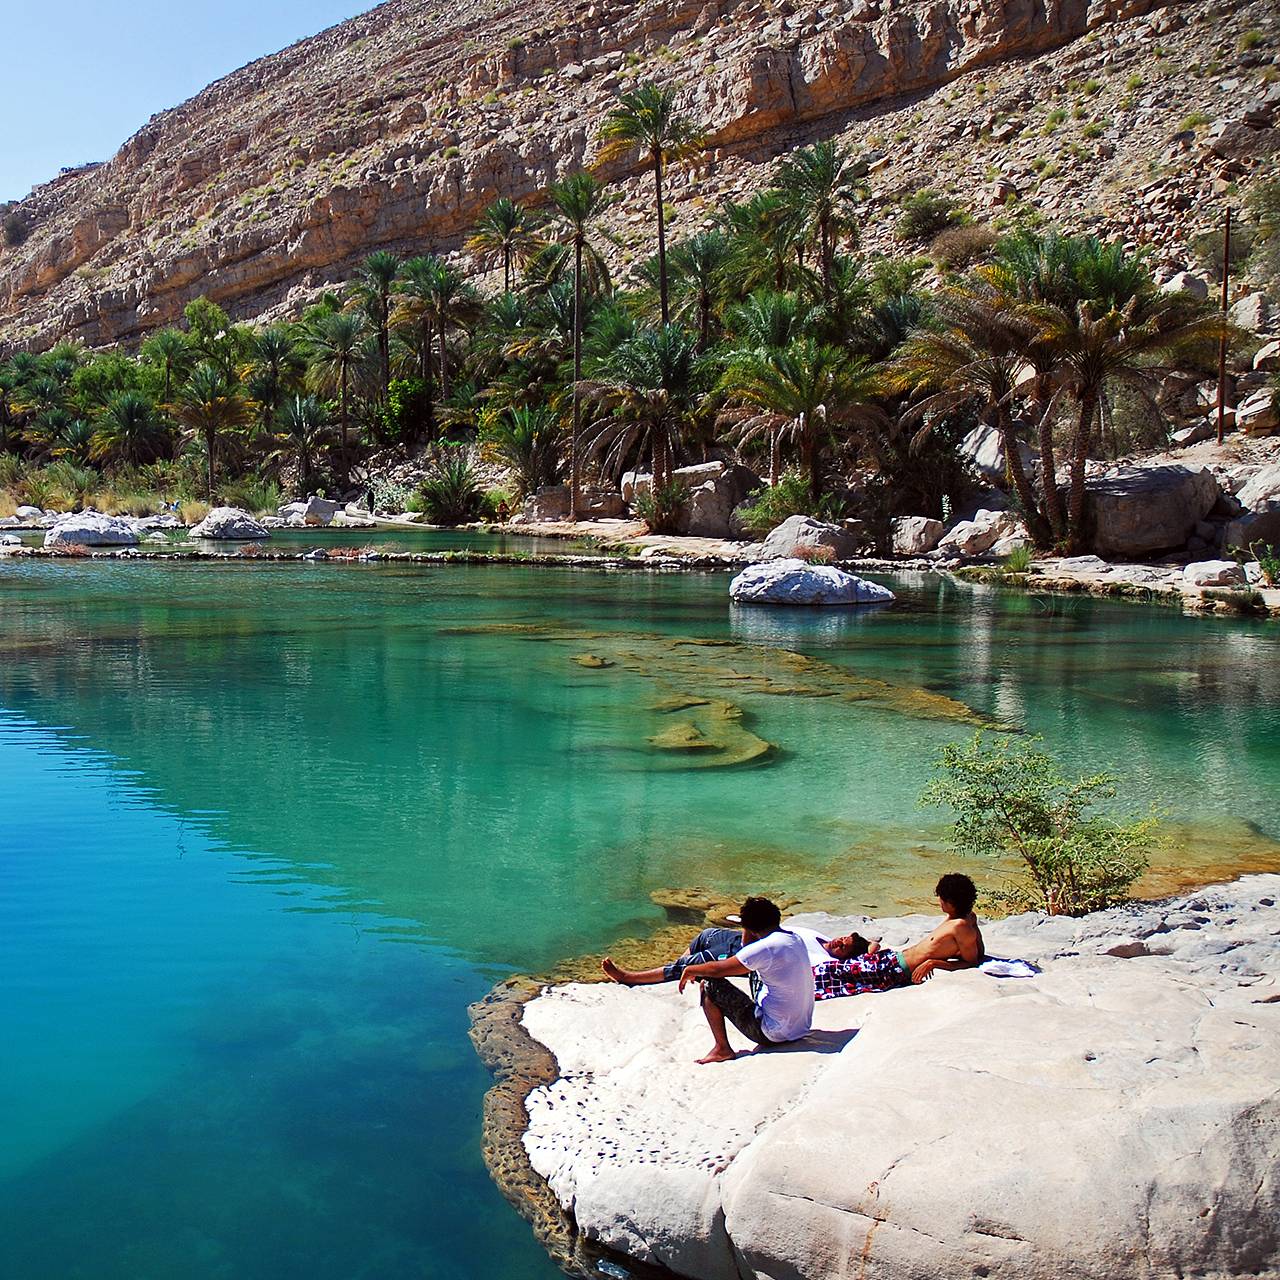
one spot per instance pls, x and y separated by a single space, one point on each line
1116 1115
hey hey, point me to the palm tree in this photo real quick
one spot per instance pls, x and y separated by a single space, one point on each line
527 439
337 350
415 313
822 185
170 352
208 405
654 384
805 390
374 280
455 305
763 239
976 353
305 424
128 429
1117 333
697 276
646 120
505 235
275 369
580 201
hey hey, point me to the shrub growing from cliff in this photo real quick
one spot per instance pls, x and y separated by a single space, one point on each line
1013 800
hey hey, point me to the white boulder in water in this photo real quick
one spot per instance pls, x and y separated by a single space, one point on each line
91 529
230 524
795 582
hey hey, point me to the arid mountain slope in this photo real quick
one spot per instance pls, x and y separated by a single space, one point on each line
395 129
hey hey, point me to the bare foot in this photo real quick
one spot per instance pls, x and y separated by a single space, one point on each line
614 974
718 1055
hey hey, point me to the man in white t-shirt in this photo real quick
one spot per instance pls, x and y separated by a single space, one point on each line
780 1006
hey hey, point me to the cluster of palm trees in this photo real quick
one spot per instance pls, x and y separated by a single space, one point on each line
764 333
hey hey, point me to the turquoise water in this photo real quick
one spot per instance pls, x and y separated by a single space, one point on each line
266 830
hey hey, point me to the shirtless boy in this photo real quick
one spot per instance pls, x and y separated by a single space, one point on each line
955 944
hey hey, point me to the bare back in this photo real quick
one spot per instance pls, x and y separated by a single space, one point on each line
953 939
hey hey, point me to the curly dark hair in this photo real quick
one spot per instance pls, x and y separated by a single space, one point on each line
760 916
957 891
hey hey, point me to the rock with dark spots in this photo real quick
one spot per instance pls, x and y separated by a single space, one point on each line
230 524
1134 510
91 529
795 582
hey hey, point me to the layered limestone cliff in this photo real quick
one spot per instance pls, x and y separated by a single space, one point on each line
394 130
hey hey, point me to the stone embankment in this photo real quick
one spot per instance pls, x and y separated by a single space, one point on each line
1116 1115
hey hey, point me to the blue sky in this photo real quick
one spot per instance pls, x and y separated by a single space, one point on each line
81 76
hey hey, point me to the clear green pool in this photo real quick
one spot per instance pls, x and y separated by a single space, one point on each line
265 830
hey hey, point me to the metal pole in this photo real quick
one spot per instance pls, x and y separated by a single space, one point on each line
1222 342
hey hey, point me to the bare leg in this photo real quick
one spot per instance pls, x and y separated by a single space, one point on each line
631 977
722 1051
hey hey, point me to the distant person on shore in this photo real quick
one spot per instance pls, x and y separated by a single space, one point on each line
721 943
780 1006
955 944
504 512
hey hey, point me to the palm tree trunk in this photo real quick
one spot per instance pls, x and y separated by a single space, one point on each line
346 461
209 438
775 455
506 267
662 237
384 348
1018 475
444 363
577 376
428 382
1048 461
809 451
1079 458
704 318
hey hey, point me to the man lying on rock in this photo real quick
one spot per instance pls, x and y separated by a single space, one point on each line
780 1006
720 944
955 944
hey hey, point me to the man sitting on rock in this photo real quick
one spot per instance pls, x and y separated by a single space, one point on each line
780 1006
720 943
955 944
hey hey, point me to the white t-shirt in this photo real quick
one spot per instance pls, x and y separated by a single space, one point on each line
786 1004
818 954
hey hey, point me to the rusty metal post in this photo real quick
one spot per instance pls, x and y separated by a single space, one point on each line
1222 342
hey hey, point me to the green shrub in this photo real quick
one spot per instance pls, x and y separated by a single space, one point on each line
1017 561
926 213
1011 799
1268 559
15 229
789 497
660 507
451 493
959 247
527 440
254 494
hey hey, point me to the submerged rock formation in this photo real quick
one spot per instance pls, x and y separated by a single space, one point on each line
1116 1115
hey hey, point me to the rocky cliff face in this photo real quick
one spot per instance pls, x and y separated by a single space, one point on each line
395 129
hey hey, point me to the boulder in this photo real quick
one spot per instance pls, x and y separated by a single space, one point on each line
1185 282
91 529
635 483
1239 140
551 504
230 524
1267 359
28 512
1258 415
1133 510
976 536
984 450
915 535
1114 1115
1205 429
803 533
313 511
1251 312
1214 573
795 582
1259 519
710 502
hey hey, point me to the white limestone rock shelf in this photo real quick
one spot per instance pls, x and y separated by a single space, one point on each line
1116 1116
799 583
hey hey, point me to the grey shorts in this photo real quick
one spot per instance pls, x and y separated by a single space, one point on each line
737 1007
